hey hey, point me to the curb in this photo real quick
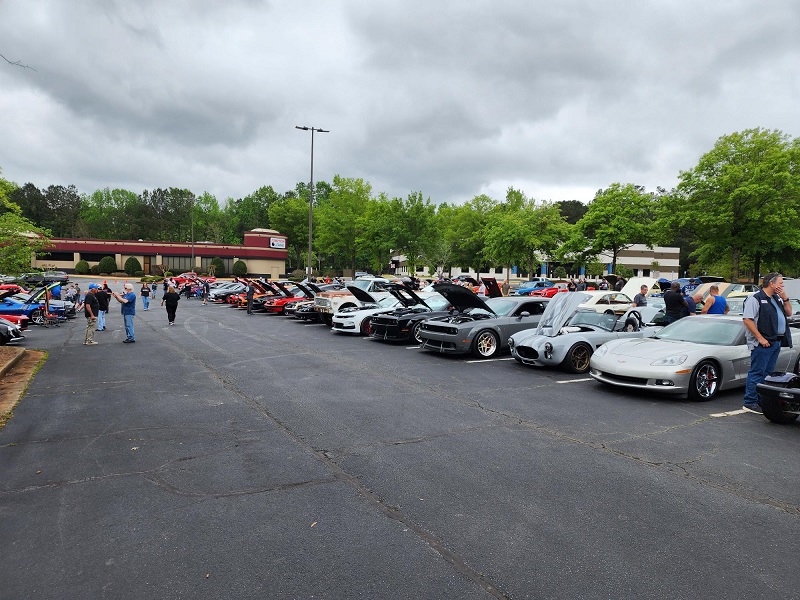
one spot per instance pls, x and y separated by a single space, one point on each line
13 361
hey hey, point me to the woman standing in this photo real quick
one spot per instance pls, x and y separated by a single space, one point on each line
145 293
170 299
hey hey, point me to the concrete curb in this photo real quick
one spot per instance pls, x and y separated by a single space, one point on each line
9 364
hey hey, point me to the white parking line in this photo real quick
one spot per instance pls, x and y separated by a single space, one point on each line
488 360
574 380
412 347
730 413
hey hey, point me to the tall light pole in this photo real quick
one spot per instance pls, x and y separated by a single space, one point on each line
191 269
311 202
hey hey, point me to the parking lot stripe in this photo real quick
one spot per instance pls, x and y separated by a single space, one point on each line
730 413
574 380
488 360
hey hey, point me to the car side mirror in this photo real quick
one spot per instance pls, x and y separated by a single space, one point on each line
524 313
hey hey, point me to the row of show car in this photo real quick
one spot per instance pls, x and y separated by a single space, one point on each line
599 333
20 306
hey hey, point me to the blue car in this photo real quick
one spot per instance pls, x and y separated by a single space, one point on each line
526 287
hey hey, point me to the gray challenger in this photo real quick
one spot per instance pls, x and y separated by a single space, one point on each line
478 326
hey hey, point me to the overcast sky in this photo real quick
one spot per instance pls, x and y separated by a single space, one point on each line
449 98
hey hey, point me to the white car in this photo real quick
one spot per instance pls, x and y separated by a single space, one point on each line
355 319
608 302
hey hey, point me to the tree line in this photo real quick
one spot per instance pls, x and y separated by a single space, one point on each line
734 214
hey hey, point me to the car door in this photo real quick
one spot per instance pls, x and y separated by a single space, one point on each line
516 322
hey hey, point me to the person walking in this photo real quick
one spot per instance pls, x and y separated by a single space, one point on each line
102 306
128 301
715 304
90 311
170 300
145 293
766 331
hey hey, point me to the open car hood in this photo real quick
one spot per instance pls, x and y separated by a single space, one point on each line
286 293
405 295
559 310
460 297
307 292
361 294
492 288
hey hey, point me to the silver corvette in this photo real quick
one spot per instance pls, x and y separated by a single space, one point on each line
569 333
696 356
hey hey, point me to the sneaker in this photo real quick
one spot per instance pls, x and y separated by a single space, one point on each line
128 341
753 408
92 343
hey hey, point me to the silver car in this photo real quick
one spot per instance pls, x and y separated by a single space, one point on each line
478 326
569 333
696 356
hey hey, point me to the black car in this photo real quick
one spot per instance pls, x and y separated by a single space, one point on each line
44 278
779 397
403 323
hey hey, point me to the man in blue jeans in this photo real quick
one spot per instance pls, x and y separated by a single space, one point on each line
764 318
128 301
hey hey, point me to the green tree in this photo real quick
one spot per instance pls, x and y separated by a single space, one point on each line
466 230
132 265
19 237
413 227
572 210
377 232
617 218
107 265
289 215
239 268
337 231
741 200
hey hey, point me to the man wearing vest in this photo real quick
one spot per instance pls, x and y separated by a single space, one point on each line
764 318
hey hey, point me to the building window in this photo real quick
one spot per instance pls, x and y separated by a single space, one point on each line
59 256
95 256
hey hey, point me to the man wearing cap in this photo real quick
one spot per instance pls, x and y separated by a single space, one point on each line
128 301
90 309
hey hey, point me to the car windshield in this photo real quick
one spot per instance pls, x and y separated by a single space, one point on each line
715 331
501 306
387 302
437 302
594 318
364 284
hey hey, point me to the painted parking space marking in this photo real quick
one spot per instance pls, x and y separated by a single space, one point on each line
488 360
574 380
729 413
412 347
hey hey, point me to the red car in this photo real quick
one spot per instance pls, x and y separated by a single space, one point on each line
550 292
20 321
277 305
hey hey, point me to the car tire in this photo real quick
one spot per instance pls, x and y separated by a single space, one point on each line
486 344
327 319
37 316
704 383
577 358
366 326
415 332
772 411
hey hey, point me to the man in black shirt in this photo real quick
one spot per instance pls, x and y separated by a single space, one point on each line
674 303
90 309
102 300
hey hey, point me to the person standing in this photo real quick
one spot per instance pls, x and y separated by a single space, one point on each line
506 287
90 311
764 319
581 285
153 290
715 304
128 301
170 300
145 293
640 299
249 291
206 291
102 306
674 303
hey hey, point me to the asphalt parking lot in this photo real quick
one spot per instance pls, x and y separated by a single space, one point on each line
258 457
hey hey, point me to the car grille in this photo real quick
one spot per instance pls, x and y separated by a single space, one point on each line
322 302
435 327
623 378
441 346
526 352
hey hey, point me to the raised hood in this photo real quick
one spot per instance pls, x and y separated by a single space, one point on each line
460 297
635 284
559 310
361 294
405 295
307 292
492 288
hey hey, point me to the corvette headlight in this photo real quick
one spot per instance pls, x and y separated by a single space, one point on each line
670 361
601 351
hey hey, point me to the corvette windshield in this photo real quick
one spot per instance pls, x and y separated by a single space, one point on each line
713 331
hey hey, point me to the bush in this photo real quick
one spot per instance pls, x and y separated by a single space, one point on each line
219 266
94 270
107 265
82 267
560 272
297 275
239 268
138 273
168 274
132 265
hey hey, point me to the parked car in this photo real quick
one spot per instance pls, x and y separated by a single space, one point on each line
549 292
527 287
330 302
44 278
696 356
9 332
403 323
779 397
355 319
607 302
478 326
568 334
